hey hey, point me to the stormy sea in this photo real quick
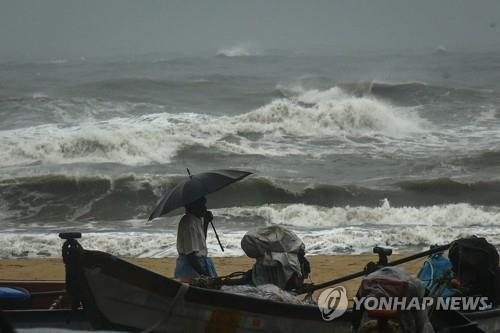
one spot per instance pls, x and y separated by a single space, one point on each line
348 150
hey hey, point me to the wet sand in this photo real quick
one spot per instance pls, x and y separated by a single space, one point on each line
324 268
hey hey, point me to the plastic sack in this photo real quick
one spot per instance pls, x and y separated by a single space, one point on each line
434 269
276 252
395 282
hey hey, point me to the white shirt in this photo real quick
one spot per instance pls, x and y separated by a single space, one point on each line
191 237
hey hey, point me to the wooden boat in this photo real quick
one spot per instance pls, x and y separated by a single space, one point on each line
121 296
47 305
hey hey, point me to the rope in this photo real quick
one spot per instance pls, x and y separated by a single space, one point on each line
178 296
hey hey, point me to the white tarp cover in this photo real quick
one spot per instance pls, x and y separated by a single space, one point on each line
275 250
395 282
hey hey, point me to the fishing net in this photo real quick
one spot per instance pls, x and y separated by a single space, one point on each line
266 291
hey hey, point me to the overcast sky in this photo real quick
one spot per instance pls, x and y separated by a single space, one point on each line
66 28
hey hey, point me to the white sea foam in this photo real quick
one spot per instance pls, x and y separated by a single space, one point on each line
490 114
332 113
349 240
239 50
39 95
441 49
158 137
308 216
323 230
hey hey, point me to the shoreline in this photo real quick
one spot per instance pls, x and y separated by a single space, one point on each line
324 267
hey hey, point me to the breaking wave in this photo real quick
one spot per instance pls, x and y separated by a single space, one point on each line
65 198
158 137
335 112
239 50
310 217
337 230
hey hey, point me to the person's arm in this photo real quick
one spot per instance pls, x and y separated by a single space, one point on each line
209 217
195 263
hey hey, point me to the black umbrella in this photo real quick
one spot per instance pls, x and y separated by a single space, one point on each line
196 187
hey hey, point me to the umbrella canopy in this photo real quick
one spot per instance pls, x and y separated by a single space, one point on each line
195 187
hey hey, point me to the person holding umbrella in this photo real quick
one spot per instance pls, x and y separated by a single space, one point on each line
193 258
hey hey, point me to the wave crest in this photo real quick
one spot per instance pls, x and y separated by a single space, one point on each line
324 230
331 113
72 198
239 50
157 138
309 216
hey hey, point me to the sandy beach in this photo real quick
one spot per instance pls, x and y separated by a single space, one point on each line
324 268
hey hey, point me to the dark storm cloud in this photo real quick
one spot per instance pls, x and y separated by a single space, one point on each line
64 28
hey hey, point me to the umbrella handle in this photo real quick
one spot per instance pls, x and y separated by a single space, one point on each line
217 236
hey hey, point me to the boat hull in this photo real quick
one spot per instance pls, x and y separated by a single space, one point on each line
118 295
144 300
488 321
